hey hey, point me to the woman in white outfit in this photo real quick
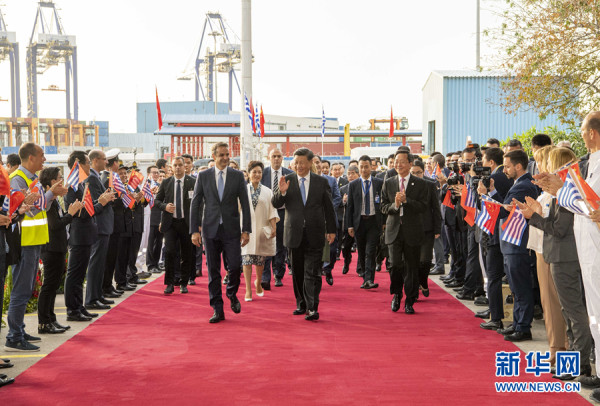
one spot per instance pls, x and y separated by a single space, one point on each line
262 239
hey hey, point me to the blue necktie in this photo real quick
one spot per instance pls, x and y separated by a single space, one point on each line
178 206
367 199
303 191
221 185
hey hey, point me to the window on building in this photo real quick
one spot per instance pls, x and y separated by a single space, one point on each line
431 136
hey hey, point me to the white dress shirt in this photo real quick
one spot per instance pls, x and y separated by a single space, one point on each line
371 197
175 196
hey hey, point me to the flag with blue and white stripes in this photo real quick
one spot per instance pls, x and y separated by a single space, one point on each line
569 197
483 217
6 204
323 123
119 187
73 178
249 111
257 120
514 227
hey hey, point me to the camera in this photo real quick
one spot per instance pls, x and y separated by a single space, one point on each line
482 173
456 179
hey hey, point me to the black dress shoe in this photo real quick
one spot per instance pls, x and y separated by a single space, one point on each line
106 302
236 306
49 329
425 292
345 269
518 336
458 290
312 315
378 268
169 289
481 301
465 296
191 282
183 289
198 273
226 279
329 278
144 275
446 277
88 314
278 282
58 325
455 284
408 309
396 303
595 395
298 312
137 282
491 325
437 272
78 317
217 317
361 274
589 381
5 380
370 285
111 295
507 331
126 287
265 285
117 291
484 314
97 306
538 313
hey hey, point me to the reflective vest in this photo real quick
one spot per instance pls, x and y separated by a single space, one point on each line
34 230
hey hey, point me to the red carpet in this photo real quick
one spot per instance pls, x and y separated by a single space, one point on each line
153 349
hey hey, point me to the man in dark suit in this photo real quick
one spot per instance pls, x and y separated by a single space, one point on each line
432 225
94 297
309 219
219 192
83 233
347 241
124 214
270 179
173 198
517 260
494 262
155 237
403 201
364 218
337 170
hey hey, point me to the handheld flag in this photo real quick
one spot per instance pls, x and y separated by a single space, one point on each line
36 187
249 111
257 120
135 179
146 190
586 190
487 217
262 123
448 200
76 176
391 122
120 188
158 110
468 202
88 202
514 227
4 182
570 198
13 203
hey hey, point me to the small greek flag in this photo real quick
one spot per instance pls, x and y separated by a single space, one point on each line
514 227
323 123
73 178
570 198
249 111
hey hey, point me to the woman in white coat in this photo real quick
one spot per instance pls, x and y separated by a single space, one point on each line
262 239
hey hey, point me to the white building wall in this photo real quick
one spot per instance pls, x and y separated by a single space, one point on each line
433 110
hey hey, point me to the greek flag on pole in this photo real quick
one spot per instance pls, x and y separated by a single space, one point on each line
249 111
257 120
323 123
514 227
570 198
73 178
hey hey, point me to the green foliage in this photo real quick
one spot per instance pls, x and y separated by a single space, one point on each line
572 134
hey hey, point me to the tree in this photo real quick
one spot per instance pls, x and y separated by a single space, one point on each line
572 135
551 48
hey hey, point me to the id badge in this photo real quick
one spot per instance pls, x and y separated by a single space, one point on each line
377 198
190 194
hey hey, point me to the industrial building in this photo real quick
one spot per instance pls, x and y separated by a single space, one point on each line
462 103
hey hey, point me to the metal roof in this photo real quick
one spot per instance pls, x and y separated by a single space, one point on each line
470 73
201 118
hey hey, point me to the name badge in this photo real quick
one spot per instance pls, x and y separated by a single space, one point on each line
377 199
190 194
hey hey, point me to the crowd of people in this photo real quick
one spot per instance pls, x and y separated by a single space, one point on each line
494 215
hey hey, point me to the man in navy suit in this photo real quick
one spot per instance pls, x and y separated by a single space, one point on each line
364 218
219 191
517 261
270 179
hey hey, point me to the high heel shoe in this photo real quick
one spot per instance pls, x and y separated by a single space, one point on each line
261 294
248 299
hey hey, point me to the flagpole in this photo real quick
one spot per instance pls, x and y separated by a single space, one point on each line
575 179
84 191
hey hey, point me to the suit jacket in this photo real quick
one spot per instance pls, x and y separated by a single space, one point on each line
336 197
355 202
341 211
57 228
411 224
341 181
583 165
266 177
387 174
206 201
83 230
137 215
317 216
522 187
432 223
559 238
105 216
166 195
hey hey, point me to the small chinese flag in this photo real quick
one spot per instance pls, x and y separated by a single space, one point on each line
448 200
493 210
262 123
4 182
15 201
158 110
88 202
135 179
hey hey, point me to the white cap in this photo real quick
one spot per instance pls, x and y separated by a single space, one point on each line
112 153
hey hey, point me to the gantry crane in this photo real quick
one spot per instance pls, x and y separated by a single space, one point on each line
9 48
221 59
49 46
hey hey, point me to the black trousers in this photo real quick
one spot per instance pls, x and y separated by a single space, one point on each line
134 249
123 259
457 241
277 262
178 235
155 243
383 252
404 272
306 275
79 258
111 261
231 250
347 243
473 274
425 259
367 239
54 269
494 270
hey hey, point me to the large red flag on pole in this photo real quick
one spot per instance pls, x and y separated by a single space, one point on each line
391 122
158 110
262 123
